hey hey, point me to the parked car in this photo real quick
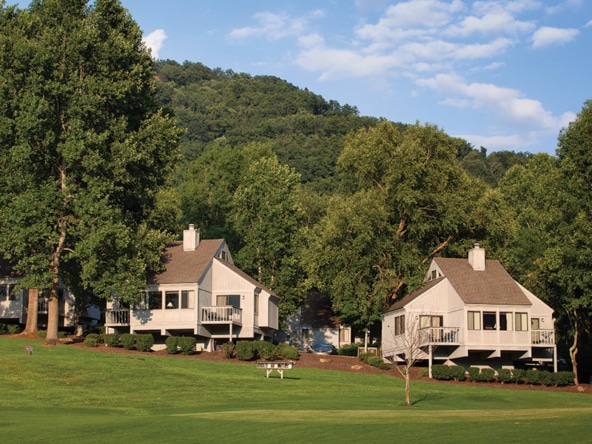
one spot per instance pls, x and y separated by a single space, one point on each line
322 349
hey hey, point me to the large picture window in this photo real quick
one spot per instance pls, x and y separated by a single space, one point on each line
188 299
521 322
506 321
489 320
171 300
474 320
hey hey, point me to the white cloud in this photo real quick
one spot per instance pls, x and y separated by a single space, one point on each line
589 24
276 26
507 104
547 36
155 41
497 23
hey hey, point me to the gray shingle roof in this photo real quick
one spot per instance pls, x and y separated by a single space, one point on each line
186 266
493 286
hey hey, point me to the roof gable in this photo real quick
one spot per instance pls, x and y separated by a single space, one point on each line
415 294
186 266
492 286
244 275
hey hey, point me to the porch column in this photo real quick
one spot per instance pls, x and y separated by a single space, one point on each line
555 358
230 332
430 361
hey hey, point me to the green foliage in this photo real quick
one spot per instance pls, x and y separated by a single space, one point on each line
265 350
564 378
374 361
3 328
13 329
532 376
474 373
349 349
441 372
95 337
423 372
487 375
287 351
143 342
91 342
171 344
245 350
111 339
128 341
187 344
518 375
504 375
457 372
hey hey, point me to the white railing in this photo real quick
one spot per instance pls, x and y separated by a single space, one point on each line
440 335
221 315
117 317
543 337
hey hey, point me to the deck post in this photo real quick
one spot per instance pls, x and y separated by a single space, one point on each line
430 350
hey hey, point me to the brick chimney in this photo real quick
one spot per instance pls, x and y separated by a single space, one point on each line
190 238
477 258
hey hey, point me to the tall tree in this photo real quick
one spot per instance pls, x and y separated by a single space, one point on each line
411 201
267 217
84 149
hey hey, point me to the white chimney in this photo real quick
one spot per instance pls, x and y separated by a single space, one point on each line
190 238
477 258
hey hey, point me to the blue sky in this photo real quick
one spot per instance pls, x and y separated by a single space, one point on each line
506 75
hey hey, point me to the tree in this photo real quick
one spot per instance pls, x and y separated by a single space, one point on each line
84 149
409 201
267 217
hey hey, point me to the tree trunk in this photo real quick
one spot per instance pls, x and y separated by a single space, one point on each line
32 312
573 351
53 307
408 386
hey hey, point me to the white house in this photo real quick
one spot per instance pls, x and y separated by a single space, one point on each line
199 293
14 303
471 313
316 323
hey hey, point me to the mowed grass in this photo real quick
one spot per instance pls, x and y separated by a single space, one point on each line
64 394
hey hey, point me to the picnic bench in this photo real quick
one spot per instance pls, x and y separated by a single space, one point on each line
278 366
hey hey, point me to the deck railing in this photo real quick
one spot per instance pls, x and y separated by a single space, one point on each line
440 335
221 315
117 317
543 337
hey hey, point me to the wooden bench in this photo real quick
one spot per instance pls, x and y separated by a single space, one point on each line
278 366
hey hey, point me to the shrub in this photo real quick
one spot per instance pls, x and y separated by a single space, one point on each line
127 341
424 372
111 339
90 341
441 372
518 375
487 375
3 328
265 350
94 336
564 378
457 372
546 378
187 344
144 342
171 344
13 329
245 350
287 351
504 375
348 350
532 376
474 373
378 362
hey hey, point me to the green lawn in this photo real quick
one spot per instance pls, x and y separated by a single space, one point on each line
63 394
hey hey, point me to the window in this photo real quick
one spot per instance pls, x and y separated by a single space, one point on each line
3 292
225 300
430 321
154 300
171 300
400 325
474 320
306 335
506 321
256 304
344 337
12 294
489 320
188 299
521 322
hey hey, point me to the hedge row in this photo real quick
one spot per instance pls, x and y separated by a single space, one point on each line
249 350
183 344
504 375
141 342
